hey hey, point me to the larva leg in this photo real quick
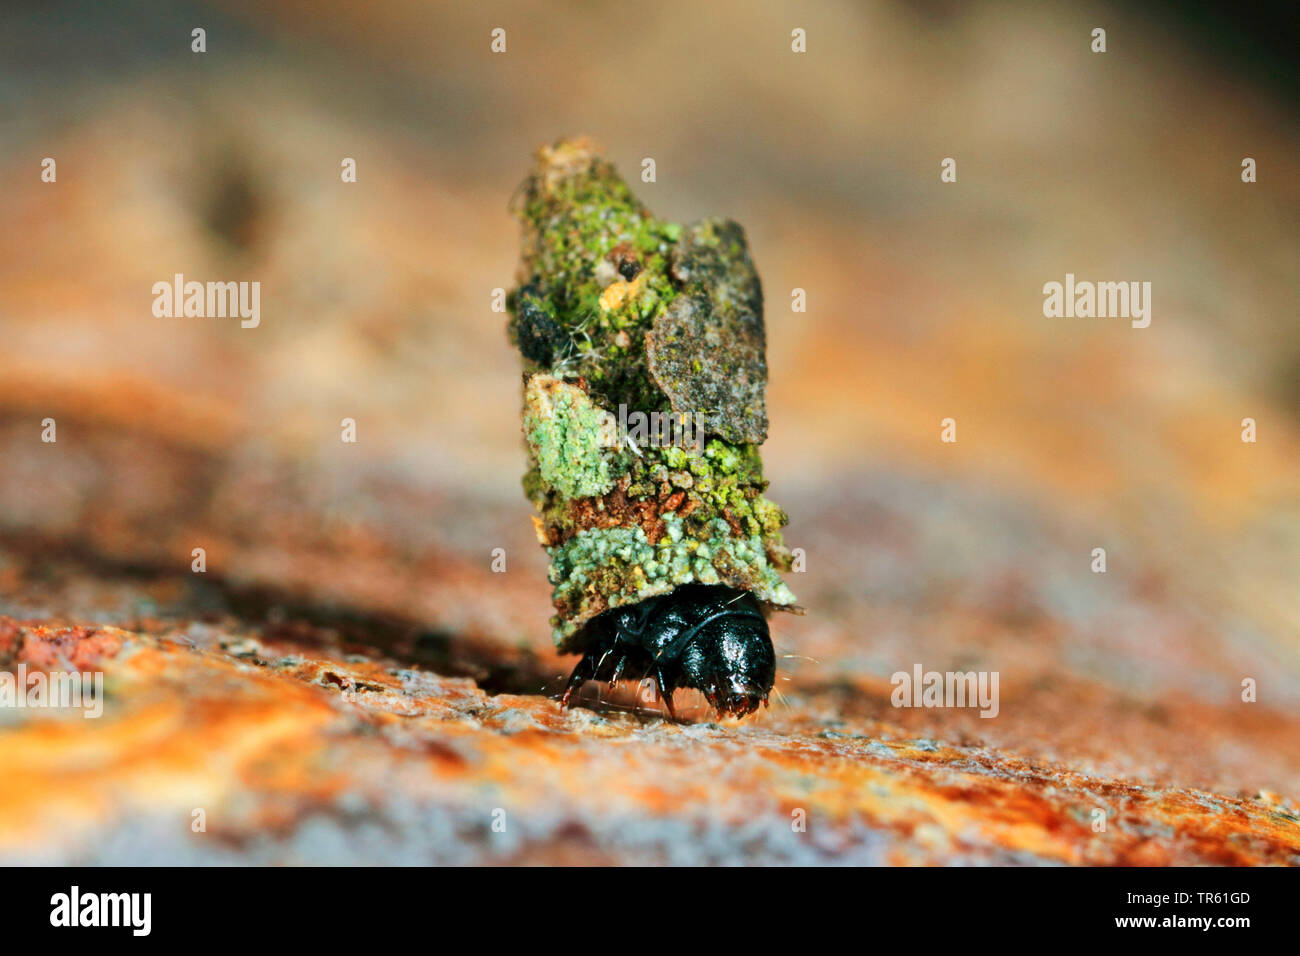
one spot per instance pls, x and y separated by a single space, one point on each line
581 674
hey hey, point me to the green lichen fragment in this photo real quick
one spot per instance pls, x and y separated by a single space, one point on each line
722 480
719 481
609 567
564 432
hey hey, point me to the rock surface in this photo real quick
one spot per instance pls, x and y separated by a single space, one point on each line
350 681
292 751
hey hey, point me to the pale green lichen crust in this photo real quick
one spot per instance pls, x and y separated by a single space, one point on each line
563 428
614 307
625 567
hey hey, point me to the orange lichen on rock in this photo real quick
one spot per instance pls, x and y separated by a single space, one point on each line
294 754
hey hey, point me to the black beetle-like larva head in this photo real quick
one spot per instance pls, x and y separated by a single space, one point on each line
732 662
728 655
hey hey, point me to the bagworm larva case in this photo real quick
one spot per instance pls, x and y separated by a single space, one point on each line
643 411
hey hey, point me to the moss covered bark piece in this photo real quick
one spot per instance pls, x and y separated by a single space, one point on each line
594 275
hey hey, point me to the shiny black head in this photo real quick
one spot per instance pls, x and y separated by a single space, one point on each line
732 662
710 637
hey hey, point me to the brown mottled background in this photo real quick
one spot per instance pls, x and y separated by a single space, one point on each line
349 682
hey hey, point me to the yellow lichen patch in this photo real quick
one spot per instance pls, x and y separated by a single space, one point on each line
621 291
539 526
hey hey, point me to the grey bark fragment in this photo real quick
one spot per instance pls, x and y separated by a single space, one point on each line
706 351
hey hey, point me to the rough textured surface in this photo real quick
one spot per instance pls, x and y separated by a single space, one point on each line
297 752
564 434
706 350
628 568
643 349
350 680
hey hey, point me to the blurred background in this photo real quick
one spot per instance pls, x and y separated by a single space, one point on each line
924 302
